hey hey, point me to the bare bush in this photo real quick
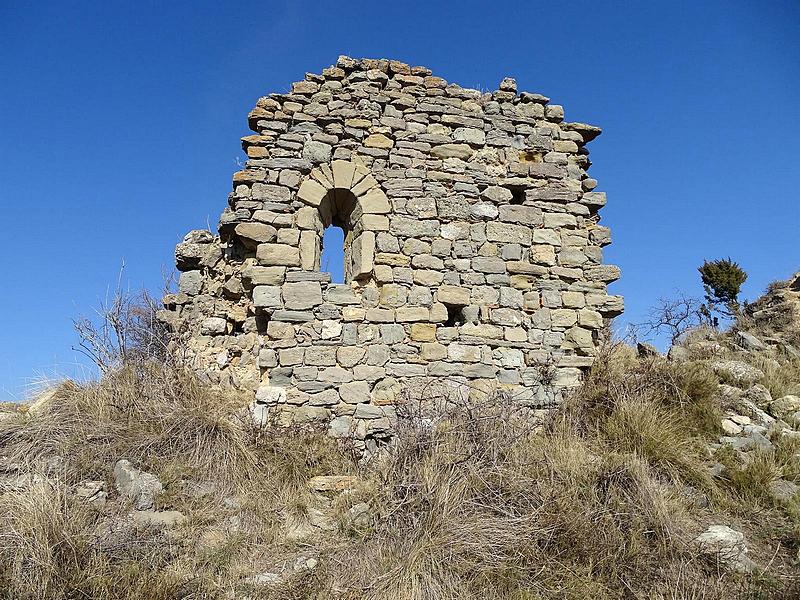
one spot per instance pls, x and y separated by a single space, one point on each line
125 329
675 316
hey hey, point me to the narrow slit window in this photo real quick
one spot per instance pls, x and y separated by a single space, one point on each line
332 257
517 195
455 316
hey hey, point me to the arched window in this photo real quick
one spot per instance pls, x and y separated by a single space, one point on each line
332 256
337 214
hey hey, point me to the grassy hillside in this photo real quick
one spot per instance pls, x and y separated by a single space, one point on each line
603 498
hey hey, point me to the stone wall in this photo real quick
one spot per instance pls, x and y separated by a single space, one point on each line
473 250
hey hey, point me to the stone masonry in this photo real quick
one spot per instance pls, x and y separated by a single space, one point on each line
473 251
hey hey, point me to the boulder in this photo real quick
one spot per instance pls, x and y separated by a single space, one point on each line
138 486
750 342
737 371
726 546
785 406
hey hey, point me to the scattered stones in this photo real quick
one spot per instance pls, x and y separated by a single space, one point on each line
737 372
785 406
783 490
726 546
750 342
92 492
139 487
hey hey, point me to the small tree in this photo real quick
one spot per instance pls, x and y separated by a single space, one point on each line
722 281
675 316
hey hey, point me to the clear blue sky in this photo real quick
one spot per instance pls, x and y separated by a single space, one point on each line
120 126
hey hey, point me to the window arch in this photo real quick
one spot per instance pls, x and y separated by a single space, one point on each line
343 192
336 212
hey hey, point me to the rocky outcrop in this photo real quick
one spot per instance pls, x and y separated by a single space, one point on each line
775 316
472 260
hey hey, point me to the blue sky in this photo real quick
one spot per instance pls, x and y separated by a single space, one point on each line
120 126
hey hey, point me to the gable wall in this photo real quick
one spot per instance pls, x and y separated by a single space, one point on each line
474 251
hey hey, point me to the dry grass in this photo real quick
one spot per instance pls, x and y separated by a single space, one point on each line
601 501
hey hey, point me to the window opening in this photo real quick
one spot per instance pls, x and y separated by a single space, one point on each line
336 211
332 257
517 195
455 316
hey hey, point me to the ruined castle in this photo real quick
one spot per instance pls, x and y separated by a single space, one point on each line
472 256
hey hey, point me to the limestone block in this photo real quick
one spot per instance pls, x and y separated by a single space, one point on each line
278 255
590 319
428 277
267 358
497 194
392 334
509 357
511 298
393 296
324 398
453 295
353 313
380 315
563 317
573 299
362 254
489 264
433 351
377 354
270 193
580 337
190 282
317 152
293 316
571 257
267 296
213 326
256 275
309 250
484 330
331 329
542 254
423 332
546 236
462 151
356 392
525 215
350 356
253 234
408 314
507 316
378 140
605 273
302 295
270 395
558 220
438 313
311 192
375 201
463 352
470 135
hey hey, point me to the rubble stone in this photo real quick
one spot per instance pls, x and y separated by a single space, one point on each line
472 247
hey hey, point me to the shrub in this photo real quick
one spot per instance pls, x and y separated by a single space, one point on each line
722 281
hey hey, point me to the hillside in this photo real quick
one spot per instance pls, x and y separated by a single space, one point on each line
661 477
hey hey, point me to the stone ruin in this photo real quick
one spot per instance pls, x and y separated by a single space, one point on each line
472 254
